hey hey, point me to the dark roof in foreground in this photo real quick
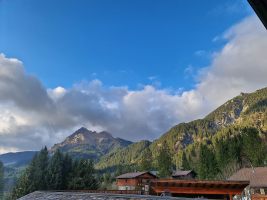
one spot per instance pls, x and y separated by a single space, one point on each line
256 176
181 173
46 195
134 175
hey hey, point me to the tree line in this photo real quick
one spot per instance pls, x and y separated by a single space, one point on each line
56 172
218 158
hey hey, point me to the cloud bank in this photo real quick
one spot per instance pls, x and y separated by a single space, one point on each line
32 116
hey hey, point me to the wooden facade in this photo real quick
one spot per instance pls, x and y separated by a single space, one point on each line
135 181
198 188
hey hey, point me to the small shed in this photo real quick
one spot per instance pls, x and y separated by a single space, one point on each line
135 180
184 175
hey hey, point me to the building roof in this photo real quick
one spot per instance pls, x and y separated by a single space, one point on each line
50 195
181 173
256 176
134 175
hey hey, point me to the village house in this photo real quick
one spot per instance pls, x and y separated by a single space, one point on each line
184 175
257 178
135 180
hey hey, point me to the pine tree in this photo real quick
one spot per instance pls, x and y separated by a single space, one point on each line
38 171
1 180
83 176
55 172
34 176
146 160
185 164
23 185
221 153
67 169
164 161
208 168
253 148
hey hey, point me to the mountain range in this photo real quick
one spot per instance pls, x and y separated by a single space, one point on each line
246 109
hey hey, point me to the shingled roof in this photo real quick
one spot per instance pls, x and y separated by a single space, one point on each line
181 173
256 176
134 175
46 195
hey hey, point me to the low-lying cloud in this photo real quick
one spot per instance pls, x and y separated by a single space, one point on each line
32 116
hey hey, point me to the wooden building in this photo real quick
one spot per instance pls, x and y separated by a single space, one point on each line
184 175
135 181
198 188
257 178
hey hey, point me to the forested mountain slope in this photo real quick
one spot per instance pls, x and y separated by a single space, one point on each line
244 115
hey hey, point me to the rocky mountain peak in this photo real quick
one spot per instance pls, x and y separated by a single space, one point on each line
83 130
84 140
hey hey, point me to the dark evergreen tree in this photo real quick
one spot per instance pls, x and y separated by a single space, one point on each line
208 168
23 186
67 169
38 171
222 153
119 170
106 180
253 148
185 164
234 149
55 172
1 180
83 176
146 160
164 161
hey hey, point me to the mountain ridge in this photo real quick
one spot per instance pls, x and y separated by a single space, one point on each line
84 143
246 109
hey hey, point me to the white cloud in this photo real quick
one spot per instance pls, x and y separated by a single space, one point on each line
56 93
239 66
33 116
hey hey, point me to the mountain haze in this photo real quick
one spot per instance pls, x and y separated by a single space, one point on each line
17 158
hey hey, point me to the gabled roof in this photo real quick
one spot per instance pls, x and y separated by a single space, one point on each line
256 176
134 175
181 173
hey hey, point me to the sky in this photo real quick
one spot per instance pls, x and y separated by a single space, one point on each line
133 68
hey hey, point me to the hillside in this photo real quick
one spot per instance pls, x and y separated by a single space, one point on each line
245 110
17 159
88 144
14 163
128 155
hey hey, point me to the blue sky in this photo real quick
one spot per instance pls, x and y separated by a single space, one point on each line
132 68
120 42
